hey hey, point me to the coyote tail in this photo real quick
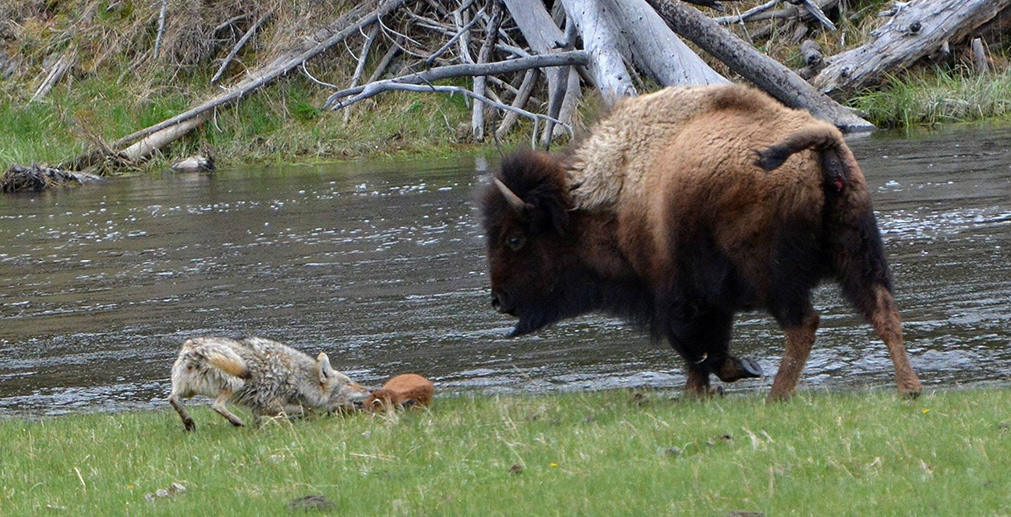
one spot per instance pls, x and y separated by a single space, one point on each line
225 360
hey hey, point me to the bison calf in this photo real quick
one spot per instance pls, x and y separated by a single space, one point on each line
403 390
268 377
682 208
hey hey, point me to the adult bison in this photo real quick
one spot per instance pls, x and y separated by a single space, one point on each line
682 208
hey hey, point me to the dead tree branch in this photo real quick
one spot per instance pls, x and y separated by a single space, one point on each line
238 46
767 73
916 31
359 93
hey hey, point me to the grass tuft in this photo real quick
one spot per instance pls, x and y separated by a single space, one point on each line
937 96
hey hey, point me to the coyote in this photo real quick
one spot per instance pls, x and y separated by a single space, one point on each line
403 390
268 377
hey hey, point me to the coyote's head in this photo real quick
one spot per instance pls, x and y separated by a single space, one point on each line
340 391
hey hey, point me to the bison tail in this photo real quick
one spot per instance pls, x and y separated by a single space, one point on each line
819 136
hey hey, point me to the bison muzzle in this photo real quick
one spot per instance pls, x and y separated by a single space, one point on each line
682 208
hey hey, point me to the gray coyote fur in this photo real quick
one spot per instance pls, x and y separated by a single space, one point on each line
268 377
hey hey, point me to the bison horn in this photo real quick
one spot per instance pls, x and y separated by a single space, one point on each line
510 196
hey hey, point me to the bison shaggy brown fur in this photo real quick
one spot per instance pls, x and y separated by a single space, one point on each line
682 208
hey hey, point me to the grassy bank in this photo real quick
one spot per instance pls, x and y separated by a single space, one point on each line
606 453
281 124
118 84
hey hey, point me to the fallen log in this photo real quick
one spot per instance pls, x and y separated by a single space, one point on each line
765 72
647 41
59 69
350 23
914 32
543 37
600 42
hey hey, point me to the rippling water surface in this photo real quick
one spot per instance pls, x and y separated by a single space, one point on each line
381 265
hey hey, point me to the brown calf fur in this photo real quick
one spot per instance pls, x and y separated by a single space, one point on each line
404 390
682 208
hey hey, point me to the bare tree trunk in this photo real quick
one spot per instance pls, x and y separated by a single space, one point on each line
490 36
768 74
59 69
348 24
144 148
917 30
601 42
543 37
654 48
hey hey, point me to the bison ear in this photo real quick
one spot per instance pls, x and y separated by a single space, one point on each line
559 217
326 372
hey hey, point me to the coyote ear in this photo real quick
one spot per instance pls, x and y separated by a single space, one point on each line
326 371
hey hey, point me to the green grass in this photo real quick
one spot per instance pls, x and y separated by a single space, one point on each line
937 96
280 124
605 453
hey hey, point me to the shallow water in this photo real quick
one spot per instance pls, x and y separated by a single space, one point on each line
382 266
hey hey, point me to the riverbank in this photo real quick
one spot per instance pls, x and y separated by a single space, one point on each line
116 88
598 453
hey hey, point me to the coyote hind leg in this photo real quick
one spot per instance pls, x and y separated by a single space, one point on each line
219 407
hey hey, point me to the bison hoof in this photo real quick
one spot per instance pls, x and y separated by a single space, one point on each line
910 394
189 425
750 368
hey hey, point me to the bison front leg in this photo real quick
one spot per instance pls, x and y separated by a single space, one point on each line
698 383
799 340
888 326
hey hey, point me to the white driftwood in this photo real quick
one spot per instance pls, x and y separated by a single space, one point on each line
425 88
746 15
543 37
359 93
979 56
765 72
161 28
600 41
914 32
238 46
480 82
654 48
59 69
384 63
522 96
370 38
346 25
144 148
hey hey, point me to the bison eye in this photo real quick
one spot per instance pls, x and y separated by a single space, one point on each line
516 242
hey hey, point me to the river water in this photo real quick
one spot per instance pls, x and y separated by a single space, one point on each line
382 266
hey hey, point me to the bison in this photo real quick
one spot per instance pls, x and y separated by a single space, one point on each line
404 390
682 208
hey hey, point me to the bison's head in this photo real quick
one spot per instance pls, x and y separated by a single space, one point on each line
533 248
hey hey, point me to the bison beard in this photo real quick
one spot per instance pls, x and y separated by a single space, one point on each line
682 208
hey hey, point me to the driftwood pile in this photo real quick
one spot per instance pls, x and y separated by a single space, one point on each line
37 178
536 59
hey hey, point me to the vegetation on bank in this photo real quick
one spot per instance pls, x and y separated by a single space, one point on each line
602 453
118 84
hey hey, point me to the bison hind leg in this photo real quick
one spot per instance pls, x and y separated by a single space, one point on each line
888 326
800 335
